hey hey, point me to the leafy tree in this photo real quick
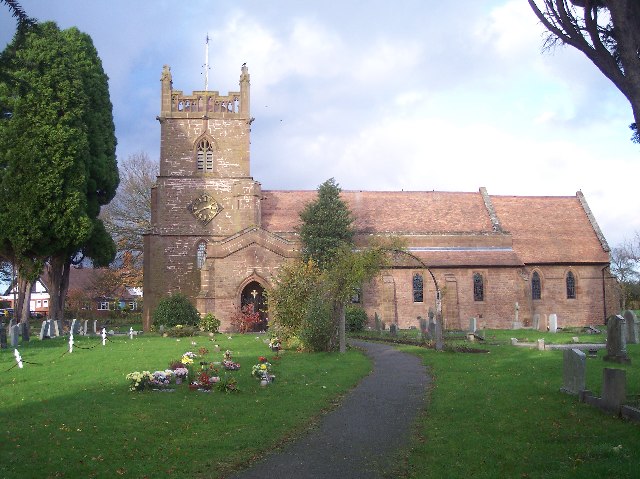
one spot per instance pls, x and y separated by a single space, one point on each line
57 152
607 32
326 225
624 266
18 13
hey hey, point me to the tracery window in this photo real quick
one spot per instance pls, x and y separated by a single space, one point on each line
571 286
478 287
536 288
201 254
418 288
205 156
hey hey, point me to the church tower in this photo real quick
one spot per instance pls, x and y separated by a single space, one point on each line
204 192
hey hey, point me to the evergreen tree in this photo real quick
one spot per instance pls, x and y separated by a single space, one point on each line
57 150
326 225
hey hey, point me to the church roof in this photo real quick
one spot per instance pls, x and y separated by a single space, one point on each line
455 228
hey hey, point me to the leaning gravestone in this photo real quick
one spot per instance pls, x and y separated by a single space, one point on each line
14 334
616 340
632 327
24 331
3 336
553 323
574 368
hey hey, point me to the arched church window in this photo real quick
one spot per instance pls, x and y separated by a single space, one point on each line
536 287
571 286
205 156
478 287
201 254
418 288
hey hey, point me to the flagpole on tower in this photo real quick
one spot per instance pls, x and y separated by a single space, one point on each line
206 64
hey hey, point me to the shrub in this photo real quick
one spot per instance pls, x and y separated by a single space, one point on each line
180 331
174 310
246 320
356 318
209 323
317 331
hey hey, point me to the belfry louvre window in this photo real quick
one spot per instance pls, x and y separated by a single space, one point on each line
536 288
478 287
418 288
571 286
205 156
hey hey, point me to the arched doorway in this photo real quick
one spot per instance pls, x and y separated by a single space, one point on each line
253 293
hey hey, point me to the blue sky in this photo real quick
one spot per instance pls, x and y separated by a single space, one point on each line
413 95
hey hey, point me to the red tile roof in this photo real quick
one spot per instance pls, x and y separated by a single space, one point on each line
543 229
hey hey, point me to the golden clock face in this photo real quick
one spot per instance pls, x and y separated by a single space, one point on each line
204 208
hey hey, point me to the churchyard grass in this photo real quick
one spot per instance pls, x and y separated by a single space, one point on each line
72 415
501 414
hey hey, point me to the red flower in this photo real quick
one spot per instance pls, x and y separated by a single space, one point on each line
262 359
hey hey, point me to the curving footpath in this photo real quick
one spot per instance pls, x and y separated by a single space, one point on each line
361 437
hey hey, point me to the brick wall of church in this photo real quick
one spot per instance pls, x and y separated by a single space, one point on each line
391 296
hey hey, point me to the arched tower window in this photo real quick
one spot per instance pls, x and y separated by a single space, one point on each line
478 287
536 287
201 254
205 156
571 286
418 288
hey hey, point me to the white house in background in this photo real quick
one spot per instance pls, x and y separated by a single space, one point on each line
39 302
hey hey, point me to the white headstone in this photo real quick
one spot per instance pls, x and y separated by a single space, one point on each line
131 333
71 341
553 323
18 358
104 336
473 325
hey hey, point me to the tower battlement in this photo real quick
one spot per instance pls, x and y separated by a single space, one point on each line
177 104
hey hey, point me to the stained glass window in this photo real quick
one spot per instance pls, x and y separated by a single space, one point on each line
571 286
418 288
478 287
536 288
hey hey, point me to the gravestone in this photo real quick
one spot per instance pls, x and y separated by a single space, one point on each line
44 330
393 329
473 325
85 327
516 320
616 340
94 327
3 336
536 322
423 328
540 344
632 327
75 327
437 331
553 323
574 368
57 330
431 329
614 384
12 323
24 331
14 334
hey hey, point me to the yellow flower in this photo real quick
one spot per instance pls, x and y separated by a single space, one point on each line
263 366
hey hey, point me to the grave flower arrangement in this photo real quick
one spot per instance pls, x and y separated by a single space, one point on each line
139 380
227 362
180 374
227 384
275 344
161 379
262 370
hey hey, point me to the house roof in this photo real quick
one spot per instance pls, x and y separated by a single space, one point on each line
540 229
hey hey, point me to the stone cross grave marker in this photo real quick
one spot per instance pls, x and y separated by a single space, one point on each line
632 327
553 323
616 340
574 368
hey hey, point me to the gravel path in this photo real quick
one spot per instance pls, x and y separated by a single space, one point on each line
359 439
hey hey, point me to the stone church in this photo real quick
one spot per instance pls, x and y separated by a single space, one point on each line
220 239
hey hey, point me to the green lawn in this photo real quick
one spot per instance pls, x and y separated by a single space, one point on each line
72 415
501 414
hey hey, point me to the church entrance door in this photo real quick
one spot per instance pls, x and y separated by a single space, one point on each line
253 293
